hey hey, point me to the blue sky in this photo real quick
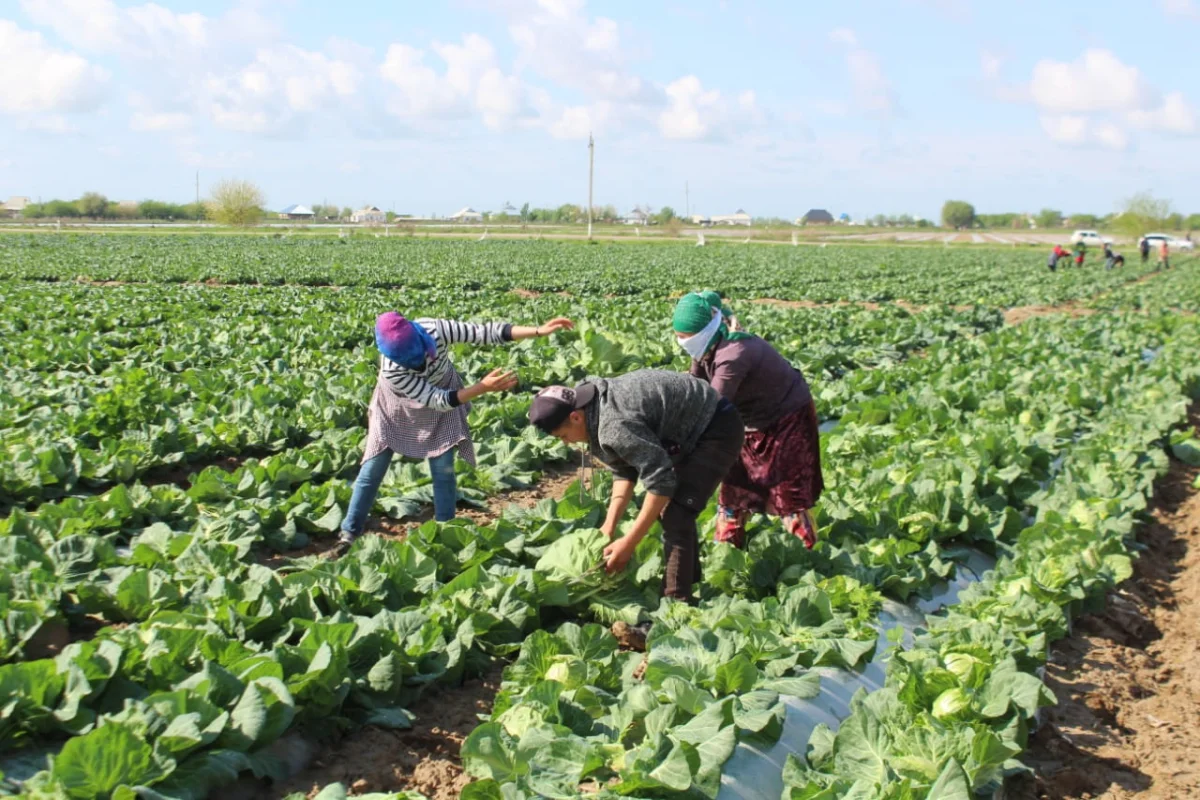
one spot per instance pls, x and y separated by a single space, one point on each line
862 106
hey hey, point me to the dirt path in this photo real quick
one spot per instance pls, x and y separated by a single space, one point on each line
423 759
1128 680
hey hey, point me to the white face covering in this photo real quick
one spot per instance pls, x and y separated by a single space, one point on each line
697 344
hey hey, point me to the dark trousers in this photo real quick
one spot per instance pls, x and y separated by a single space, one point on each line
698 474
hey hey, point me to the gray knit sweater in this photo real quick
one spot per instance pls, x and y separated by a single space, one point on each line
642 423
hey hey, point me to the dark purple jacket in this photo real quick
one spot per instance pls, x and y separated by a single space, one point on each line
752 375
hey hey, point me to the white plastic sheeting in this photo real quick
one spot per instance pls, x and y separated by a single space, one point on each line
752 773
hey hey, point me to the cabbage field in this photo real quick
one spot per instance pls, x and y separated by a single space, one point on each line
183 415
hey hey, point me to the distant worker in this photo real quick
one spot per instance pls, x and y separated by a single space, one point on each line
1080 254
1163 256
1112 259
1144 246
1056 255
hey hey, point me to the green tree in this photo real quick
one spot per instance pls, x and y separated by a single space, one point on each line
957 214
1086 221
665 215
1142 213
236 202
1192 223
193 212
525 213
1174 221
1049 218
347 213
93 204
62 208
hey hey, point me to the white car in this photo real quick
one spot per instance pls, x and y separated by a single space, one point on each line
1155 239
1090 238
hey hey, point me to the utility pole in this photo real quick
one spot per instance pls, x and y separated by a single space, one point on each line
591 167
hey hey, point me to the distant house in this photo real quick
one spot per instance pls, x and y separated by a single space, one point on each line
738 217
297 212
369 216
467 214
15 205
817 216
637 217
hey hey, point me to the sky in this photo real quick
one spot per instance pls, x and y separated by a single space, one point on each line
858 106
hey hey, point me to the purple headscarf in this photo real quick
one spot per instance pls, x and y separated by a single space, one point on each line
406 343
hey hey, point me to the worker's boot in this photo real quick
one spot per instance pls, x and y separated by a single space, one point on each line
802 526
731 526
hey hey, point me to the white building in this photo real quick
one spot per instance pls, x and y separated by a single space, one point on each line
637 217
369 216
15 204
467 214
739 217
296 212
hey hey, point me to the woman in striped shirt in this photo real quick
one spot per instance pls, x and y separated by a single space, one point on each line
420 405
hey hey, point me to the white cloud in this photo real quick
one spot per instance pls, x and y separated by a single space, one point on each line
1180 8
1175 115
159 121
42 79
1078 130
144 31
696 113
282 84
872 91
1111 136
844 36
689 104
990 64
1097 81
472 82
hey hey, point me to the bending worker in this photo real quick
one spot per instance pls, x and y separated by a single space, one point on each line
779 468
673 433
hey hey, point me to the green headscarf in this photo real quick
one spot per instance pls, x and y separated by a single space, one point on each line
694 312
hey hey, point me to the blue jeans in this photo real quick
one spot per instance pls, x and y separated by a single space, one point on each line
370 476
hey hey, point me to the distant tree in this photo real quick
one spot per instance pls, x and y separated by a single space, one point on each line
957 214
904 220
236 202
608 213
1142 213
665 215
390 215
1049 218
879 220
1085 221
568 212
157 209
525 213
92 204
924 223
1192 223
347 213
193 212
34 211
1174 221
1003 220
62 208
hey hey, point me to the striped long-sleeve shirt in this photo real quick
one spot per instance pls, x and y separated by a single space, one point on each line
423 386
416 413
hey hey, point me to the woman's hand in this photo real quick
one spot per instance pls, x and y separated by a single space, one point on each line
618 553
555 325
498 380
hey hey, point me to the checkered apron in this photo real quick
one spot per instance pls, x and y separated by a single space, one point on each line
398 424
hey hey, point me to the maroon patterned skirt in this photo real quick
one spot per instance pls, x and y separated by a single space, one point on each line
779 471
